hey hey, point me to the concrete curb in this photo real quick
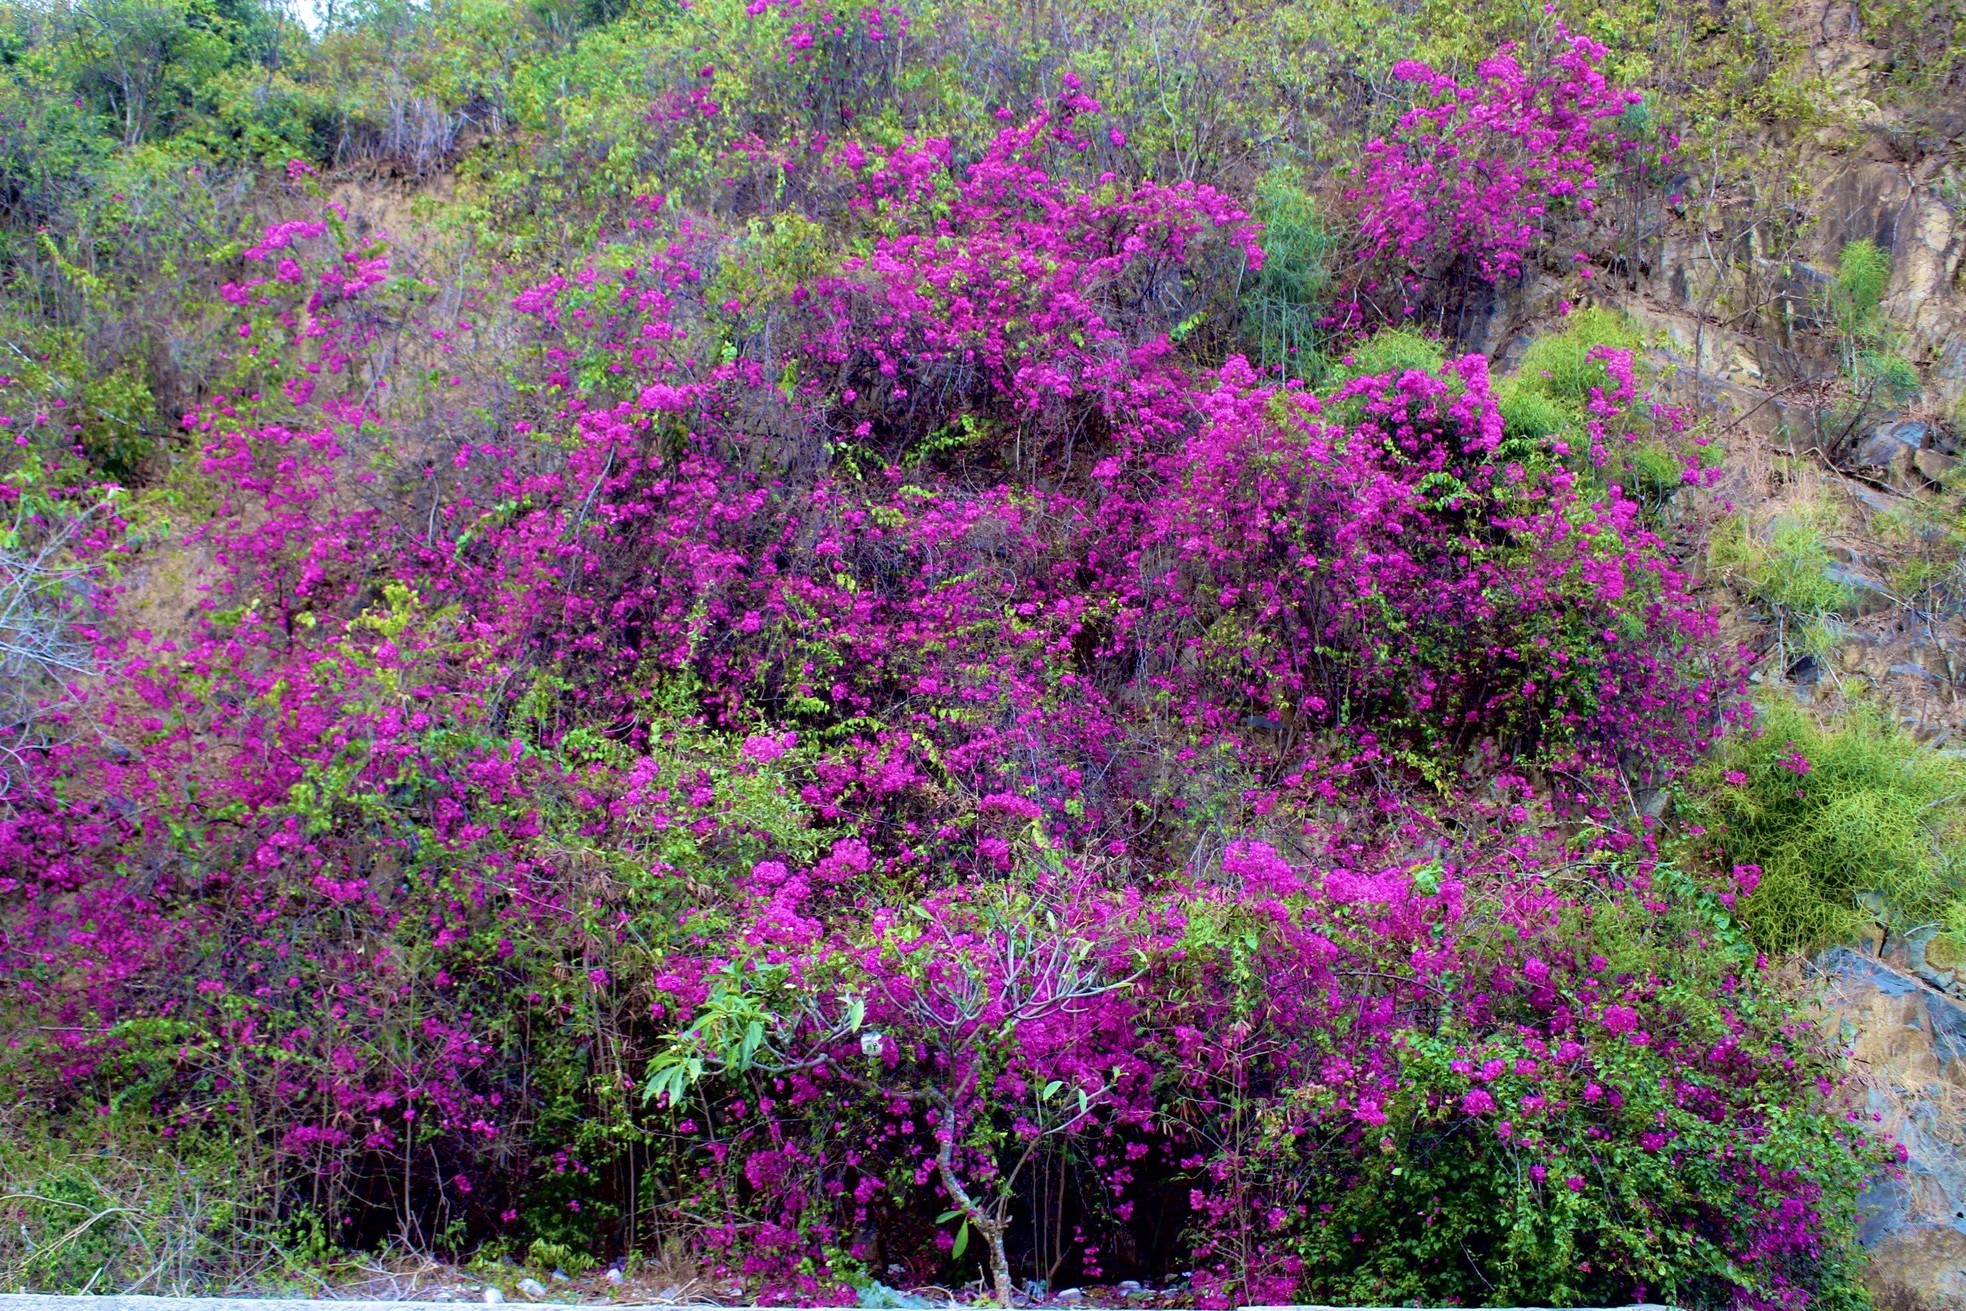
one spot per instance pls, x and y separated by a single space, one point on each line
142 1302
138 1302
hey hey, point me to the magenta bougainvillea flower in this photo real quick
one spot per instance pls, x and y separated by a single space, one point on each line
919 719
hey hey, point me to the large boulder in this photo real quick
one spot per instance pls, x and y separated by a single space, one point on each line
1890 443
1907 1044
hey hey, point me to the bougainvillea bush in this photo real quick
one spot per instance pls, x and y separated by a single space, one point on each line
888 762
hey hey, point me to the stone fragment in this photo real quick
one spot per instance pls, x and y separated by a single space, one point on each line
1850 656
1910 1041
1867 592
1889 442
1933 464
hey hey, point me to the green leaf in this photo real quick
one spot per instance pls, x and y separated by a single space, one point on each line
946 1217
754 1037
962 1241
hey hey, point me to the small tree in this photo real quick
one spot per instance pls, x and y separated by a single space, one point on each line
966 994
39 652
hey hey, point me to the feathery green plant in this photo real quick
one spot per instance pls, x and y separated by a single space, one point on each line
1281 307
1830 812
1788 572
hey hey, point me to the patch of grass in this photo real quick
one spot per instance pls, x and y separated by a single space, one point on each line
547 1257
1280 308
1654 469
1559 367
1529 414
1789 572
1393 351
1847 819
121 1206
1863 275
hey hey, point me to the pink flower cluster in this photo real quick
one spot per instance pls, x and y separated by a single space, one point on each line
1472 176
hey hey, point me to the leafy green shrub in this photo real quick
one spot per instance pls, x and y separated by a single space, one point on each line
1830 812
113 1204
108 407
545 1256
46 156
1560 368
1394 351
1892 378
1529 1199
1280 310
1863 274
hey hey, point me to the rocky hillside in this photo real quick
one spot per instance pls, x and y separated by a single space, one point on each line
1856 482
1301 652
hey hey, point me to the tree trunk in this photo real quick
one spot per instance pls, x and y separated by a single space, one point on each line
999 1263
992 1232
